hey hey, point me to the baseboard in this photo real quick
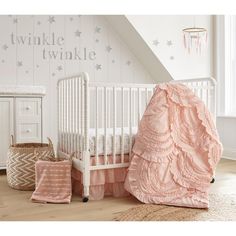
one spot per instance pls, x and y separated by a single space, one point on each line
229 154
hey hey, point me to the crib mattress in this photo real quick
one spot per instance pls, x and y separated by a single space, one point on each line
70 141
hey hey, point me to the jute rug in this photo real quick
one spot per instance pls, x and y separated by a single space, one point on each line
222 208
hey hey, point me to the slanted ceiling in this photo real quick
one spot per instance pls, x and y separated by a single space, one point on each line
139 47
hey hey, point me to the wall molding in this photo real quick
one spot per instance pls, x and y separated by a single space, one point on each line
229 153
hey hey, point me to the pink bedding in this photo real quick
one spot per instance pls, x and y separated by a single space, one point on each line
176 150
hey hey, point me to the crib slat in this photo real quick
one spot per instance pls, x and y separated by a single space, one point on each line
146 96
194 88
122 125
208 104
201 91
108 108
130 122
71 115
68 125
153 91
114 125
81 116
96 126
105 124
139 115
64 116
73 109
78 118
67 119
59 115
198 90
212 104
134 108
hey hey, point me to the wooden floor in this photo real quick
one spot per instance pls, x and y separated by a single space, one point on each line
15 205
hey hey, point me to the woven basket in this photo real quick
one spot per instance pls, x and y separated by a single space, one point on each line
21 163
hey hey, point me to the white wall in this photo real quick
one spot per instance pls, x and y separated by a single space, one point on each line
28 63
226 124
175 58
227 131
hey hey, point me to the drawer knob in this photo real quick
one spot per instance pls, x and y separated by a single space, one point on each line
28 130
28 108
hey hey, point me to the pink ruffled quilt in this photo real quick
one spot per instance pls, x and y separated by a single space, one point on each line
176 150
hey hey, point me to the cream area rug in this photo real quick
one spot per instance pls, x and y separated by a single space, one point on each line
222 208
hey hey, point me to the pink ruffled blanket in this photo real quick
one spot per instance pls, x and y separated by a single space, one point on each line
176 150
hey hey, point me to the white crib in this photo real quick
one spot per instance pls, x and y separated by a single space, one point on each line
101 119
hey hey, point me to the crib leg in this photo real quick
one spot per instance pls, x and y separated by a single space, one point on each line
213 178
86 176
86 183
86 194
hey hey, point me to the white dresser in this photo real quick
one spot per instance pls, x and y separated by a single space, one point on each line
20 116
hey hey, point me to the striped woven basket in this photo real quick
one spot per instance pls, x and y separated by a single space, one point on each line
21 163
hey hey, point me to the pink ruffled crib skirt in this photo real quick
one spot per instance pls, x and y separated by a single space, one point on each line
109 182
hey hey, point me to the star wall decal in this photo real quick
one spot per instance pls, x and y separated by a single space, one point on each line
77 33
3 61
108 48
38 23
155 42
51 19
15 21
53 74
96 40
98 66
5 47
169 43
113 61
128 63
19 63
97 29
27 72
37 66
71 18
172 57
59 68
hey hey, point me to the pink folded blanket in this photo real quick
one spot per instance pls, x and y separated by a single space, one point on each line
53 182
176 150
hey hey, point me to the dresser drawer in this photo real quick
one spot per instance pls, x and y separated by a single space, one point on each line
28 120
27 107
28 132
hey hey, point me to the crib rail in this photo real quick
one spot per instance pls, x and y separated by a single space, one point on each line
111 109
204 88
117 107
